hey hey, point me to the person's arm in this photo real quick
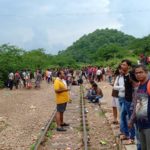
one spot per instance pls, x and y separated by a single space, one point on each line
61 90
117 86
99 92
133 115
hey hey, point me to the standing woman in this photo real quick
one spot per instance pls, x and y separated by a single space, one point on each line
118 86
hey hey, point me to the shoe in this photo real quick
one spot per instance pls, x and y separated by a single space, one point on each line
64 124
61 129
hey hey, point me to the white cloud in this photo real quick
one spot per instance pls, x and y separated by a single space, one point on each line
56 24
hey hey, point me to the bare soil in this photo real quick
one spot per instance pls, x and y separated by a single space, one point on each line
23 113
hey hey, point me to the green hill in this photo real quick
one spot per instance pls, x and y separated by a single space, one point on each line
100 45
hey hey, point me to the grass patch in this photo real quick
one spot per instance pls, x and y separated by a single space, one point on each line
53 126
49 134
32 147
102 113
79 128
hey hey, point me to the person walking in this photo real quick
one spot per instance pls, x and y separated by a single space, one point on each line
62 97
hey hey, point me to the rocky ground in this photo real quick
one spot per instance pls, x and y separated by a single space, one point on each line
23 113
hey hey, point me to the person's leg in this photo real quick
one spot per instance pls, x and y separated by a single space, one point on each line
62 108
147 136
11 84
123 120
115 114
142 139
131 131
138 144
48 79
91 98
58 120
121 111
114 110
61 118
17 83
24 82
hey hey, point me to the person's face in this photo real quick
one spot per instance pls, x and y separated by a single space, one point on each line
62 75
120 71
94 87
140 74
124 67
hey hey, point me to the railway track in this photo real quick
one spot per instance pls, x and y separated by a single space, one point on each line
77 132
44 131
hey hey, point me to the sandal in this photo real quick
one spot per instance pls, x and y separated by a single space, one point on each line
115 122
123 137
130 142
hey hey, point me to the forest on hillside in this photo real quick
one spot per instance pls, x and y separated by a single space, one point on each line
102 47
106 45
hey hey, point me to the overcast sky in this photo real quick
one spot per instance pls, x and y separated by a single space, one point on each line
56 24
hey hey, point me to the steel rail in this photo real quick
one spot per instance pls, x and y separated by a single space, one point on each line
43 132
85 138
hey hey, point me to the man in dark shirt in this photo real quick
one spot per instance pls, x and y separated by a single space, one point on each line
125 113
141 111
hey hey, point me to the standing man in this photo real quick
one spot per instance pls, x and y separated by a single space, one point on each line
11 80
62 97
126 101
141 112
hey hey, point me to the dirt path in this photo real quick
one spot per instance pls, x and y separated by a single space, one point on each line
22 115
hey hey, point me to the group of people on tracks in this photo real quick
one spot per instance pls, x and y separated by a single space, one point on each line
130 95
131 98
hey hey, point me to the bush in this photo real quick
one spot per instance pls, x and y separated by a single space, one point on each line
1 84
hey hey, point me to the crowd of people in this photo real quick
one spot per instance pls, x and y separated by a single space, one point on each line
24 79
131 98
68 77
130 95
